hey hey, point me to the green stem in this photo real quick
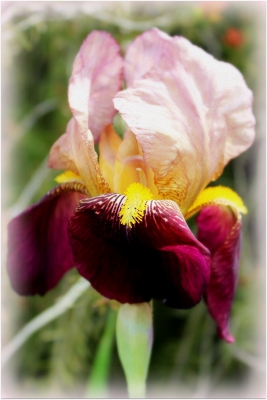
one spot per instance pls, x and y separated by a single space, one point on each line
97 382
137 390
134 340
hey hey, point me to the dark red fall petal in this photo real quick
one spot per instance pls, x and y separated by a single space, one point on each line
185 261
157 258
220 231
38 250
187 283
215 224
102 254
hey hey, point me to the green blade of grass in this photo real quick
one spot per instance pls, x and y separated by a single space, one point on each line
97 383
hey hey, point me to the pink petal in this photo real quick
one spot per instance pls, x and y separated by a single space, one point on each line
220 231
96 78
76 153
190 113
144 53
157 258
61 154
38 250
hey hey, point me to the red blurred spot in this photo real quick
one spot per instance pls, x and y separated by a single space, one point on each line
233 37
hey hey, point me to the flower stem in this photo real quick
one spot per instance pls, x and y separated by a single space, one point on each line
97 382
134 340
137 390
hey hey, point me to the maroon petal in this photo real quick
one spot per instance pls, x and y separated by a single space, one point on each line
190 279
38 250
220 231
156 258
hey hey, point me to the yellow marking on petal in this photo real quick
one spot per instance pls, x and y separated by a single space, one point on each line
217 195
132 211
68 176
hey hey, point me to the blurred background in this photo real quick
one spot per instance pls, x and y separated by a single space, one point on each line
39 43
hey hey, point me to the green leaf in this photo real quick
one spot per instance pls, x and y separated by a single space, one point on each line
99 374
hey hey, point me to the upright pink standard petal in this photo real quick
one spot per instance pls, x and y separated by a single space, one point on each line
219 229
96 78
38 250
157 258
145 53
190 113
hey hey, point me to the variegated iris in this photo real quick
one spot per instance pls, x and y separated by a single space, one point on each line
187 115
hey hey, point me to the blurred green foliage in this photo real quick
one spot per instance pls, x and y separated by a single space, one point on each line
186 348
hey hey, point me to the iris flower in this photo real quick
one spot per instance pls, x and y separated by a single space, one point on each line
120 218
